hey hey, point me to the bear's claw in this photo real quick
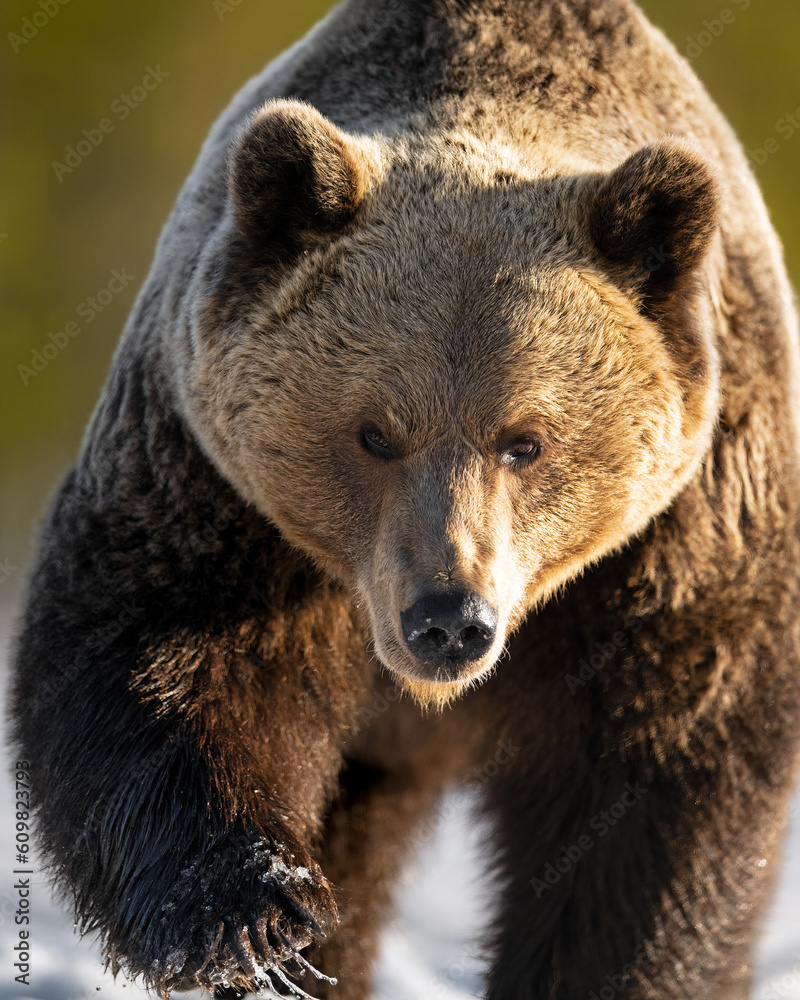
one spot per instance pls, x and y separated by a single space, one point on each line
237 917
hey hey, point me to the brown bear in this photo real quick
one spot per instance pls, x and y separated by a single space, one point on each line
457 410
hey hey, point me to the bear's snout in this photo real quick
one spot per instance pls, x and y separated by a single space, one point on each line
447 631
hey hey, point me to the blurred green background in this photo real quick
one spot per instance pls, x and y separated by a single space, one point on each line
65 66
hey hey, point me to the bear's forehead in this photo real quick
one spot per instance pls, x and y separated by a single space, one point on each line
458 303
475 341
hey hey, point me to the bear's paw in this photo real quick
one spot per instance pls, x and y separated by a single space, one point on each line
238 917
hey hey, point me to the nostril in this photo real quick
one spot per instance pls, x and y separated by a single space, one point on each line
471 634
438 635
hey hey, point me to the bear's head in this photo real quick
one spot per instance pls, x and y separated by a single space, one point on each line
452 378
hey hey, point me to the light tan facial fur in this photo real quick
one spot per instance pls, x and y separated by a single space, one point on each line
457 318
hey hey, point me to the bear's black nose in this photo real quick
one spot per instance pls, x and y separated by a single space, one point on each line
449 629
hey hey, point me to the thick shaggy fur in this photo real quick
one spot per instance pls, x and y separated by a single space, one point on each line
471 296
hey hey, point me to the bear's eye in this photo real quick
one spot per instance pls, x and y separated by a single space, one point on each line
521 453
375 444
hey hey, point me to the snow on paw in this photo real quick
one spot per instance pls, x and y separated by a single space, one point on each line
240 915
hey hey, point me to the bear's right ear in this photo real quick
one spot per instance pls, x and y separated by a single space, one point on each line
652 219
293 174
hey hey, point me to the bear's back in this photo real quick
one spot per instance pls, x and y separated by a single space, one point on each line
568 87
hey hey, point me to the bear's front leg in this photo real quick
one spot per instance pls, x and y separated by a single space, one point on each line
637 831
270 714
184 747
622 893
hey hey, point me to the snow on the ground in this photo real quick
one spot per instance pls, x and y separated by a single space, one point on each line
430 949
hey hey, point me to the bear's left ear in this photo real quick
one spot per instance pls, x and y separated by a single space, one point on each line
292 175
652 219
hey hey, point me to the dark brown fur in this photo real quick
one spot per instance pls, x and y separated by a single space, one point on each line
474 227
